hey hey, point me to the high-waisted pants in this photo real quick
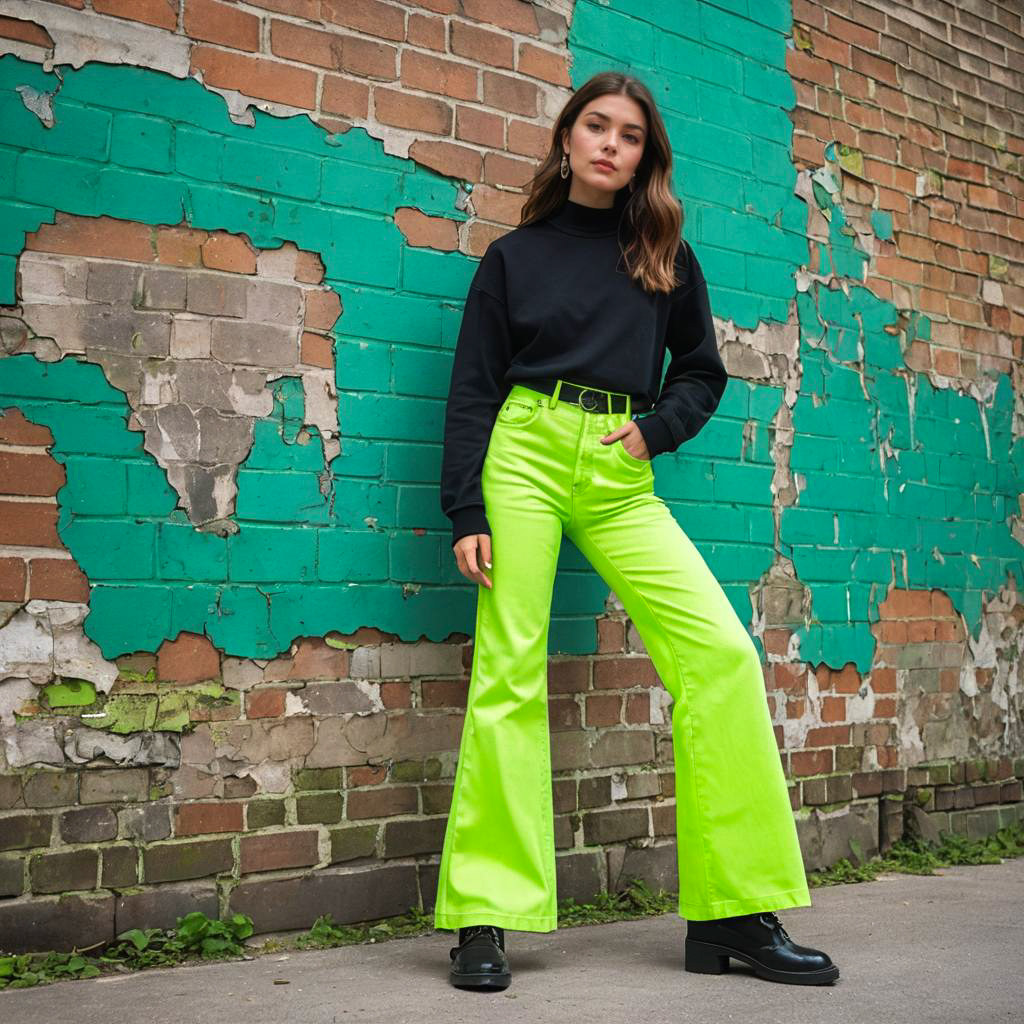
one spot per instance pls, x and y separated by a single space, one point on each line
546 472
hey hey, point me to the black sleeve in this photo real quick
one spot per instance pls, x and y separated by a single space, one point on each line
696 376
483 353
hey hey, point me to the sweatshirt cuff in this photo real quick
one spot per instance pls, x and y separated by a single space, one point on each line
657 436
467 520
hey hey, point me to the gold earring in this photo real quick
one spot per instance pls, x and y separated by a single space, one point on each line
564 170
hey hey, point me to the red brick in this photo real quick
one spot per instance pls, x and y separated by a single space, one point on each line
367 775
423 114
638 709
308 45
425 31
29 524
883 680
569 675
434 74
382 802
366 58
444 693
30 474
528 139
547 65
345 96
514 15
256 76
811 762
200 818
93 236
189 658
15 429
505 170
479 126
25 31
57 579
564 715
309 267
396 694
223 251
12 579
493 49
828 736
386 21
789 677
220 23
317 350
265 703
313 659
619 673
611 636
510 93
448 159
150 12
422 230
276 850
307 10
603 710
323 308
833 709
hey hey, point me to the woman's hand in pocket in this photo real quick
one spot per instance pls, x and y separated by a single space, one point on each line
471 553
632 440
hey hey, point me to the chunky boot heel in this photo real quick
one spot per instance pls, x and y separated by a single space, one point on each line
704 959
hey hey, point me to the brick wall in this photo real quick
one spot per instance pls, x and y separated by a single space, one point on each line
234 244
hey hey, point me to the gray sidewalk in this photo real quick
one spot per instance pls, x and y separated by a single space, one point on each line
947 949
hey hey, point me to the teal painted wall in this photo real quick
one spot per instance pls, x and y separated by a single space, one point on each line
141 145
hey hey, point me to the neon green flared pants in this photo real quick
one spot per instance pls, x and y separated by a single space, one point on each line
546 472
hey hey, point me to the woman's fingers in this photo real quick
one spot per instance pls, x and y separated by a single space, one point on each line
468 553
473 557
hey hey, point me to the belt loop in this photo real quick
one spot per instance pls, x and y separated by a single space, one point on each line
629 406
554 394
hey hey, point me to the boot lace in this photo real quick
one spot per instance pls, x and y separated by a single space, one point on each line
770 918
492 931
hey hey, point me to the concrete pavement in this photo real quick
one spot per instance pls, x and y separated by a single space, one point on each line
944 949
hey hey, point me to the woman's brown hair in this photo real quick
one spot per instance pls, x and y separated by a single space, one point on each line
653 215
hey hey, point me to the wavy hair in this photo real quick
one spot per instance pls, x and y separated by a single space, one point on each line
653 215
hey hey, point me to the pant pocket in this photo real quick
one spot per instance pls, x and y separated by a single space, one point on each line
518 412
629 459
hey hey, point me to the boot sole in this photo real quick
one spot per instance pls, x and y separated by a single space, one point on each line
496 981
710 958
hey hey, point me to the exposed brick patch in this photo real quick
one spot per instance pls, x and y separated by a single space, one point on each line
34 563
188 658
884 89
191 325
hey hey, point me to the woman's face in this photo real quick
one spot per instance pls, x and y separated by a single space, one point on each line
611 129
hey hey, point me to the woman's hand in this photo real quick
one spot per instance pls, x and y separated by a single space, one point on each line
636 446
470 551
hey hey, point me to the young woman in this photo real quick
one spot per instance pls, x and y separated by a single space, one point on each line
562 340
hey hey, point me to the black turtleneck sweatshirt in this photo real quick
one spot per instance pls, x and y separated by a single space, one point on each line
553 299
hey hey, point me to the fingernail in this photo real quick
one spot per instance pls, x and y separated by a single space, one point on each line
488 564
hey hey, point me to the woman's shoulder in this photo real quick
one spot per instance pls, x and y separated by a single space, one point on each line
508 250
688 269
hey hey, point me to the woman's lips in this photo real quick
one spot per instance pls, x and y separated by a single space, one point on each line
603 165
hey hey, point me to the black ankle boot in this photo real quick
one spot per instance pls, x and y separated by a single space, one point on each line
760 941
479 960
